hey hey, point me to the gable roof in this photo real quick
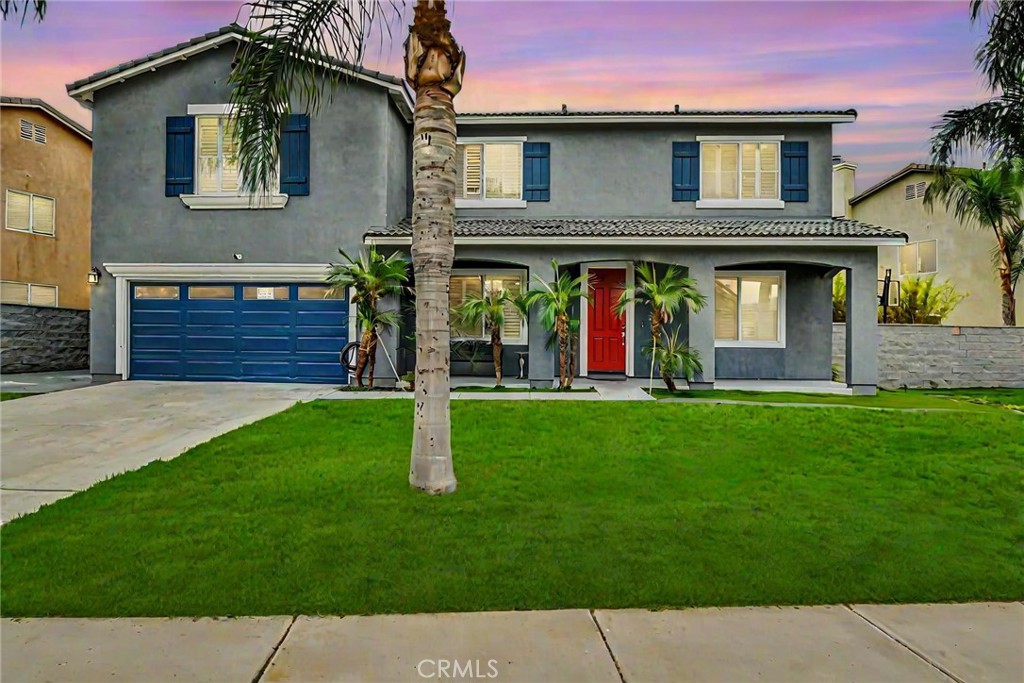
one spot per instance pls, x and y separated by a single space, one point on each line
663 116
84 88
36 103
658 230
902 173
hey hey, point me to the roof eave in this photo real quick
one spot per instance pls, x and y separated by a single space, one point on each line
54 113
817 241
663 118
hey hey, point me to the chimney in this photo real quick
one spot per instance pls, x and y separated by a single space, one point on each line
565 109
844 176
677 108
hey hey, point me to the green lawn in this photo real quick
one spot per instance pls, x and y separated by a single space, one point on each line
11 395
973 400
560 504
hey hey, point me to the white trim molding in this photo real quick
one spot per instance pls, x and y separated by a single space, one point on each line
740 204
554 119
212 109
740 138
125 274
660 241
585 269
490 204
206 202
779 343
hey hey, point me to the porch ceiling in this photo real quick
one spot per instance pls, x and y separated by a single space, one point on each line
740 229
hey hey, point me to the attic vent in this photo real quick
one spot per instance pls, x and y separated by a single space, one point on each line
921 187
41 134
26 130
909 192
33 131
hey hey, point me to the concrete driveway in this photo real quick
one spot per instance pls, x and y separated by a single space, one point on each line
53 445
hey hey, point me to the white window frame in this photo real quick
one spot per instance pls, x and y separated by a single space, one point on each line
491 203
484 274
31 214
30 285
739 202
917 258
753 343
225 200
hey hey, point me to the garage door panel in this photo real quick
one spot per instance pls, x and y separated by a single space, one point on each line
281 339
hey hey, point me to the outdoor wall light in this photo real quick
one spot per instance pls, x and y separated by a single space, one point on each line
94 276
238 257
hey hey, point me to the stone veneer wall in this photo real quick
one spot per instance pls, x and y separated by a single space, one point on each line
923 356
41 339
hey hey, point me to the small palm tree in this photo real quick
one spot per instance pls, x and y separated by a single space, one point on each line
555 300
674 359
490 310
665 296
371 278
989 199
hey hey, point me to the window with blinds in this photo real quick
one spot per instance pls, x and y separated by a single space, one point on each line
739 170
216 155
748 309
29 294
464 284
489 170
29 212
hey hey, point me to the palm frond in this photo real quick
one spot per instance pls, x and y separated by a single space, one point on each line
1001 56
291 55
26 8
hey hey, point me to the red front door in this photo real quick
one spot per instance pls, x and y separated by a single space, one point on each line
606 331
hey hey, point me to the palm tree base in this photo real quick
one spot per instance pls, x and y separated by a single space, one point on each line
434 488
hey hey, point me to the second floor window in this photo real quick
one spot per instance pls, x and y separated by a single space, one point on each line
28 212
489 171
739 170
216 155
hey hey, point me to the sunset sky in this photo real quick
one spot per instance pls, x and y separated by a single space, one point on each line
900 64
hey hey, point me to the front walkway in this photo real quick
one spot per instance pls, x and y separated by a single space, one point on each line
58 443
869 643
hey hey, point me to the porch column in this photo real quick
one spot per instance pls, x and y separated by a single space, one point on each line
702 325
862 329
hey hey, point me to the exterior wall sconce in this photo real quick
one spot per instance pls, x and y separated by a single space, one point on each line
94 276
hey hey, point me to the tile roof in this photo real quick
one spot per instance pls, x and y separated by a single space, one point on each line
653 227
666 113
230 29
36 103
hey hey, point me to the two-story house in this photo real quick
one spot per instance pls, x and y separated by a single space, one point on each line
203 285
939 245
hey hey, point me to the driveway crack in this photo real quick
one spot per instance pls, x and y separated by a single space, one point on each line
608 647
888 633
270 658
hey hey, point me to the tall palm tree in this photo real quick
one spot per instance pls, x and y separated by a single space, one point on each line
371 278
488 309
555 300
996 125
285 58
26 8
989 199
664 296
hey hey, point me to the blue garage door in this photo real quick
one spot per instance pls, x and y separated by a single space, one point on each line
234 331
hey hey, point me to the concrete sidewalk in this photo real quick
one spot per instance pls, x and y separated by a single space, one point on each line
869 643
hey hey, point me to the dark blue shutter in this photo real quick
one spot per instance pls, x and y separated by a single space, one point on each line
537 171
685 171
181 154
794 172
295 155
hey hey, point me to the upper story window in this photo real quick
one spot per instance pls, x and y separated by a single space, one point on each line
216 155
33 132
490 173
27 212
740 172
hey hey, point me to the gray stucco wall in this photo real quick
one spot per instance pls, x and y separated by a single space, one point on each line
350 184
808 351
40 339
927 356
626 170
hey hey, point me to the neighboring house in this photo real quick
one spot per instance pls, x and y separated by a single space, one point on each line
45 166
938 244
205 284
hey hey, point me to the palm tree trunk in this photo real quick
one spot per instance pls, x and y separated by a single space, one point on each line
434 65
562 330
371 357
496 352
655 334
1006 283
362 356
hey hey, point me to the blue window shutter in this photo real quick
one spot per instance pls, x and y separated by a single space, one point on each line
685 171
794 172
181 155
295 155
537 171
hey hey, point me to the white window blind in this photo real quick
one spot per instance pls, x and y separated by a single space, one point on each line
747 308
465 284
42 215
42 295
732 170
30 212
492 170
217 155
13 292
27 293
513 320
460 289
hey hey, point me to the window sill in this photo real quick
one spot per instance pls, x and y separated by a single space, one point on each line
490 203
730 344
740 204
31 232
206 202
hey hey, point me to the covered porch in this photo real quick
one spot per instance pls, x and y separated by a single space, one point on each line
767 321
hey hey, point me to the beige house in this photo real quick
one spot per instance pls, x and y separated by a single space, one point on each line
45 205
938 244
